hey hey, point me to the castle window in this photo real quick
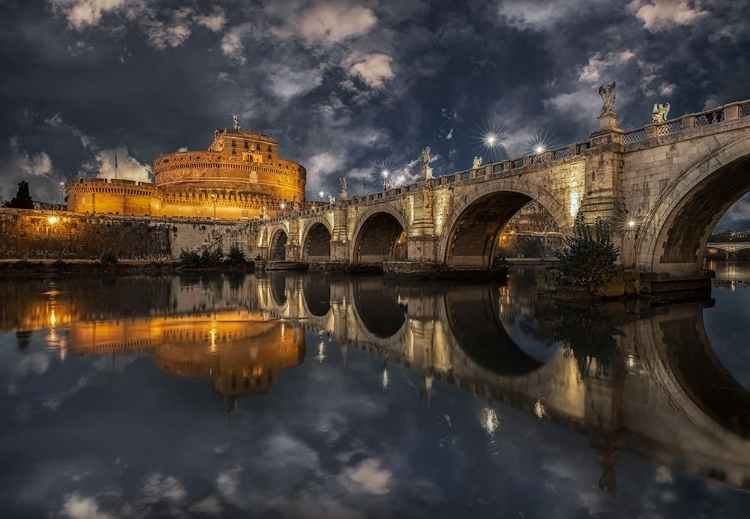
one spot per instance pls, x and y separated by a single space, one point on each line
234 143
247 145
234 152
269 147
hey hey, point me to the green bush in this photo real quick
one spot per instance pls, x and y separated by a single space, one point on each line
235 256
108 258
190 258
588 259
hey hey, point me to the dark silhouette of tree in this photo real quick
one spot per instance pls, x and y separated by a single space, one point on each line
22 200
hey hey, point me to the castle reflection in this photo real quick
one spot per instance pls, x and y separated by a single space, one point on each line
628 376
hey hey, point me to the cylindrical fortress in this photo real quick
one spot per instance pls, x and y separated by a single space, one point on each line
239 176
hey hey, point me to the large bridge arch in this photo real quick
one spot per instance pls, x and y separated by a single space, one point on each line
380 235
277 245
316 240
676 230
472 227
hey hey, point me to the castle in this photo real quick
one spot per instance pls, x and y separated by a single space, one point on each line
239 176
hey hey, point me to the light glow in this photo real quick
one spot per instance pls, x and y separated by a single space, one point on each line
631 223
490 421
53 220
539 148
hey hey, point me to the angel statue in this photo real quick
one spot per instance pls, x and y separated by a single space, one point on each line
236 121
477 163
659 113
608 98
426 156
342 181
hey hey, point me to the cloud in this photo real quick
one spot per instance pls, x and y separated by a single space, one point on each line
35 165
659 15
157 488
83 13
231 43
128 168
597 65
208 506
369 477
543 14
162 35
214 22
77 507
332 22
373 69
289 82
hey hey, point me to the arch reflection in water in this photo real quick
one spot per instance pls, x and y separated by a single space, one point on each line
627 377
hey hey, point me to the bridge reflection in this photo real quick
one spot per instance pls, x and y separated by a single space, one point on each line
629 377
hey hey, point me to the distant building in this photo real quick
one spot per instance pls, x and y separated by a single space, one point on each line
237 177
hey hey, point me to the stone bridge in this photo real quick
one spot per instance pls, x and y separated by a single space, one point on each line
662 187
731 248
663 395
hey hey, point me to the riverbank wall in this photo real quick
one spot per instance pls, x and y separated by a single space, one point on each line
35 235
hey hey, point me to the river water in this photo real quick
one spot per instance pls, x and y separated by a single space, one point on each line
300 396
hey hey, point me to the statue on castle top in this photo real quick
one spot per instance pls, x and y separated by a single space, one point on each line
659 113
608 98
236 121
426 158
477 163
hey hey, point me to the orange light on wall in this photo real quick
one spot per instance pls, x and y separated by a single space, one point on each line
53 220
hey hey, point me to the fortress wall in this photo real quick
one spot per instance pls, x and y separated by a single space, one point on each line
32 234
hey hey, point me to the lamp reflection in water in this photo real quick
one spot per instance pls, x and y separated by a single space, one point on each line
490 422
321 352
540 410
385 381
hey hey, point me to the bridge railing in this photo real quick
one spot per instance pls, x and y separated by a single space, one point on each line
727 112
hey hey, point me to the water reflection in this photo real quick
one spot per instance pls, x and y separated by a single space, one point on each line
627 377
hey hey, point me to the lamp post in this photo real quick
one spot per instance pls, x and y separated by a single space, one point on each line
385 174
490 140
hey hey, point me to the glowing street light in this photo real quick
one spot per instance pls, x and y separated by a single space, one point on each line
321 194
385 174
53 220
631 223
490 140
539 148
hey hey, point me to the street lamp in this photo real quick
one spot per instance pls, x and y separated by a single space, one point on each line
491 140
385 174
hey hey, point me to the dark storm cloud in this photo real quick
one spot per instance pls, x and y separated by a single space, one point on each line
344 85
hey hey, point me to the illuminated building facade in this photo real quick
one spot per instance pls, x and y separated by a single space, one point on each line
239 176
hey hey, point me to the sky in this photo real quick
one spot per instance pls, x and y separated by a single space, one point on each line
346 88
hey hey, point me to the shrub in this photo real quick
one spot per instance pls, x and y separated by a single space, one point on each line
235 256
190 258
588 259
108 258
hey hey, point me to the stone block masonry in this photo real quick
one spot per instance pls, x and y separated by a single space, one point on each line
31 234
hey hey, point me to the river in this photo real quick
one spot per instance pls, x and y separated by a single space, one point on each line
290 395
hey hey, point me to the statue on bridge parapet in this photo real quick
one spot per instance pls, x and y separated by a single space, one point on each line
426 169
295 203
659 113
477 163
607 94
343 195
608 117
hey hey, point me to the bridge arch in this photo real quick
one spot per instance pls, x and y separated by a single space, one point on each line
316 241
380 235
467 241
676 230
277 246
380 313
